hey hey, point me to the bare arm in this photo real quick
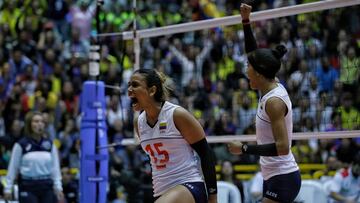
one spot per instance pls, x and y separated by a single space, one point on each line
277 110
194 134
188 126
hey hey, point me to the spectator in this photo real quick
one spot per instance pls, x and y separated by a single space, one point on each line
256 185
326 75
75 47
115 111
19 62
116 135
246 113
345 185
70 186
2 121
26 44
300 79
324 111
81 17
346 150
14 134
57 11
350 116
67 137
228 175
124 185
224 125
332 165
349 71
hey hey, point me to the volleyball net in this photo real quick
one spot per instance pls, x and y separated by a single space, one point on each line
320 70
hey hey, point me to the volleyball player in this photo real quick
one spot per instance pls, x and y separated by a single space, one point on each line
274 125
169 135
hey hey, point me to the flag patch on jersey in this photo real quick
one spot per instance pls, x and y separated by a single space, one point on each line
162 126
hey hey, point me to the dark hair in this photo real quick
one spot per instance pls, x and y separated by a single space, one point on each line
356 160
28 119
267 62
157 79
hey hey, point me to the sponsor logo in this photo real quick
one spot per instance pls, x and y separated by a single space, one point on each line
272 194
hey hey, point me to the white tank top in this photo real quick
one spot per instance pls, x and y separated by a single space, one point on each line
173 161
274 165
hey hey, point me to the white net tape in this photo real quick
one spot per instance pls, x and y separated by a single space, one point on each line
250 138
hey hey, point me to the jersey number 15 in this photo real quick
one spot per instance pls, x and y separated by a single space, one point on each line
159 163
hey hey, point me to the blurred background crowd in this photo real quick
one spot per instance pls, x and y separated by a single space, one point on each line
44 48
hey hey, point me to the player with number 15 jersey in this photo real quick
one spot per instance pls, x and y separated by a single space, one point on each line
170 136
172 159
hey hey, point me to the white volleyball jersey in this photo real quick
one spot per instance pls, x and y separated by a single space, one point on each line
274 165
173 161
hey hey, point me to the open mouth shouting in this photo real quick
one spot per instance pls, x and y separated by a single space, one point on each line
134 102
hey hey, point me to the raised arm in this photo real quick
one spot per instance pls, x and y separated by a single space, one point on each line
250 42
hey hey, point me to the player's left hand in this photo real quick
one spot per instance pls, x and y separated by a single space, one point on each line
235 148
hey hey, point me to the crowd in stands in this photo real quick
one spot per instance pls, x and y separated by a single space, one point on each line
44 47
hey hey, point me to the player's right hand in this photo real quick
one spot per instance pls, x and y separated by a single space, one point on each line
245 11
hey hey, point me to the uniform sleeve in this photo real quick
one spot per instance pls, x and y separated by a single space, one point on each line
56 174
250 42
13 167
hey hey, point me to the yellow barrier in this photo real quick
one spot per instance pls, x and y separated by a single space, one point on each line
218 168
245 176
306 176
3 172
311 167
246 168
